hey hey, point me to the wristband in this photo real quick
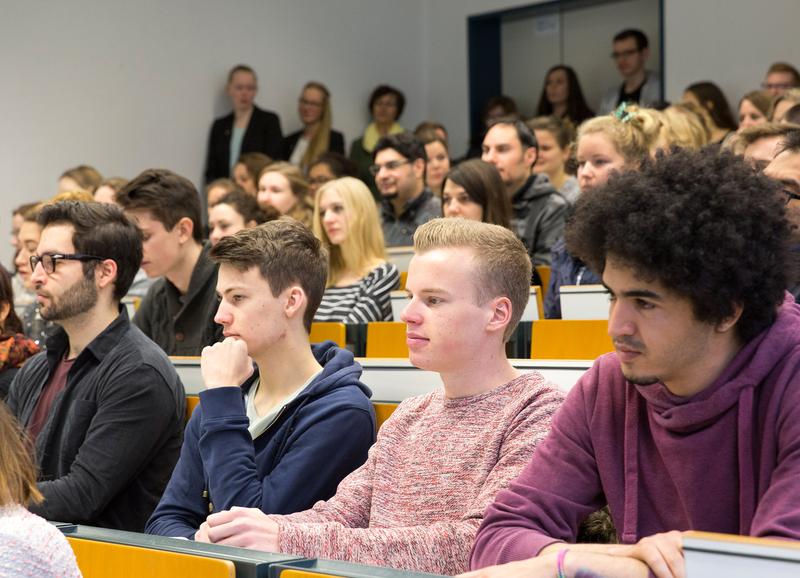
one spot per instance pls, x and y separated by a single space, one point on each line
560 571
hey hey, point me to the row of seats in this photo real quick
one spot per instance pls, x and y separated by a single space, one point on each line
550 338
103 553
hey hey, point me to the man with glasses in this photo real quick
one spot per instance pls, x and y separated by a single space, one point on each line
103 405
630 53
399 170
785 168
780 78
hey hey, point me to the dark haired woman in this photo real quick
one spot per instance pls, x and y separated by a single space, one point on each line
15 348
474 190
714 105
386 105
562 96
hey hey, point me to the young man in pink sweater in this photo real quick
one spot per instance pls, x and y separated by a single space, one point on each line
441 458
694 422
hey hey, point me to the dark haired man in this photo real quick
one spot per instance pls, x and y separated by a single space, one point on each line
780 77
693 423
246 129
539 211
785 169
630 52
103 404
281 438
399 169
178 310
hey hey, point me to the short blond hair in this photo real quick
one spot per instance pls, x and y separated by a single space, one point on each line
684 127
503 265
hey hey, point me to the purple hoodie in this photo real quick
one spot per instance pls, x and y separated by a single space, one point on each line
725 460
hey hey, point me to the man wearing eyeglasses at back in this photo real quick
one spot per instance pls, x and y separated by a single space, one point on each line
785 168
398 163
780 77
630 53
103 405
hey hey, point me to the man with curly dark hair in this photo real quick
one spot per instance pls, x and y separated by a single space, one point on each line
694 422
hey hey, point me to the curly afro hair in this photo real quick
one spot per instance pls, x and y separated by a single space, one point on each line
704 225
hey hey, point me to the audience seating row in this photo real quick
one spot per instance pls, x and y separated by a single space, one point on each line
103 553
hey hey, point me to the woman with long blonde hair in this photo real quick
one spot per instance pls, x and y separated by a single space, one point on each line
359 277
316 136
29 545
282 186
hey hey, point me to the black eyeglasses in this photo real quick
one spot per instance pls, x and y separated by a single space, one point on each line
390 166
48 260
790 196
624 53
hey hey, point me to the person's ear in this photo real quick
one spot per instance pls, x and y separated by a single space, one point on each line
530 155
730 322
296 301
5 309
185 228
418 166
500 313
106 273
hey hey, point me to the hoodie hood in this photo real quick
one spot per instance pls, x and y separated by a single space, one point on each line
339 369
536 186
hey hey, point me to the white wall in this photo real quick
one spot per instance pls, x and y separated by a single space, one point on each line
125 86
130 85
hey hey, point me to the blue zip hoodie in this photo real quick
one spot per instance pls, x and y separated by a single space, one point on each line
316 440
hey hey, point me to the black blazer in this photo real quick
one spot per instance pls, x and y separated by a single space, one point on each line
336 143
263 135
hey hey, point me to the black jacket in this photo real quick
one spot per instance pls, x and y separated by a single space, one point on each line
539 216
113 436
336 144
182 324
263 135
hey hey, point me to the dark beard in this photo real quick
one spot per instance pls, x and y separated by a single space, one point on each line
79 298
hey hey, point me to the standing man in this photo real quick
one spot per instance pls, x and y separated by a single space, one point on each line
246 129
178 310
539 211
693 423
780 77
441 457
399 169
103 404
640 86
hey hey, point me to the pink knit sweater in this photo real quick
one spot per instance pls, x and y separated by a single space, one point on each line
417 502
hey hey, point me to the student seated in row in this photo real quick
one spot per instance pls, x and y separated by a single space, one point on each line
282 436
360 279
694 422
441 457
103 405
178 310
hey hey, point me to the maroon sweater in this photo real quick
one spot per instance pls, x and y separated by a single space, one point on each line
725 460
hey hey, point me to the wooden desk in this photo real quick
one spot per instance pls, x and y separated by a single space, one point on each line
393 380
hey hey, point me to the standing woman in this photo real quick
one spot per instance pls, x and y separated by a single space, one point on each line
386 104
29 545
562 96
554 137
281 186
474 190
246 129
316 136
360 279
754 109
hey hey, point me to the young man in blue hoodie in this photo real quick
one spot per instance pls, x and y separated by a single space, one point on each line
282 436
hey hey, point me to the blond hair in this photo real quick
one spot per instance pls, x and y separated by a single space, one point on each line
17 469
303 210
628 137
684 127
363 248
502 264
